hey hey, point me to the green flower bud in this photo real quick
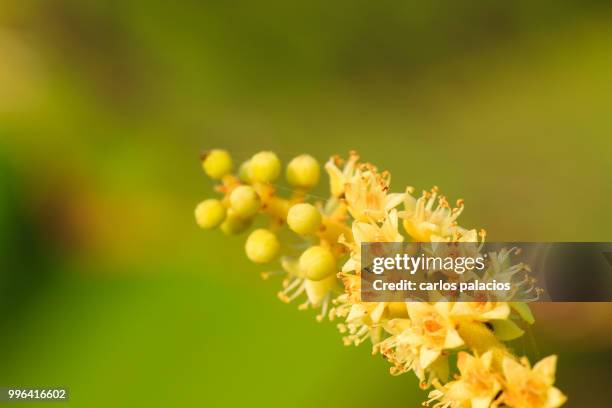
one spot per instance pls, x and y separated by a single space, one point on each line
304 219
245 201
234 224
217 163
262 246
317 262
264 167
243 172
303 171
209 213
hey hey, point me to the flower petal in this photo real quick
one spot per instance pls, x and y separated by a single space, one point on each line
452 339
428 356
555 398
513 370
546 368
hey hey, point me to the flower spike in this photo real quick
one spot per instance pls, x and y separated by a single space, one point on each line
320 261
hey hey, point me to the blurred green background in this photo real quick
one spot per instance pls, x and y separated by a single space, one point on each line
109 288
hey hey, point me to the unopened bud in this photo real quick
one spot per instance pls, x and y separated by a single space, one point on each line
217 163
303 171
209 213
234 224
262 246
245 201
243 172
304 219
317 262
264 167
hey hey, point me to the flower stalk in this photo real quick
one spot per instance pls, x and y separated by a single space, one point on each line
320 257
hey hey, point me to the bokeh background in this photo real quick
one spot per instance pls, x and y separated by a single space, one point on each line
109 288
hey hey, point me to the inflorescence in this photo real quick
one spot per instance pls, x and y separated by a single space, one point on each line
321 262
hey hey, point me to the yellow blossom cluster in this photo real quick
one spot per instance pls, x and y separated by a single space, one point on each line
319 255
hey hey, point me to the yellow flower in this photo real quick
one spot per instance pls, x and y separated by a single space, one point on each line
363 322
476 387
424 222
366 195
338 178
319 294
416 336
386 232
364 232
398 349
431 331
531 388
358 325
